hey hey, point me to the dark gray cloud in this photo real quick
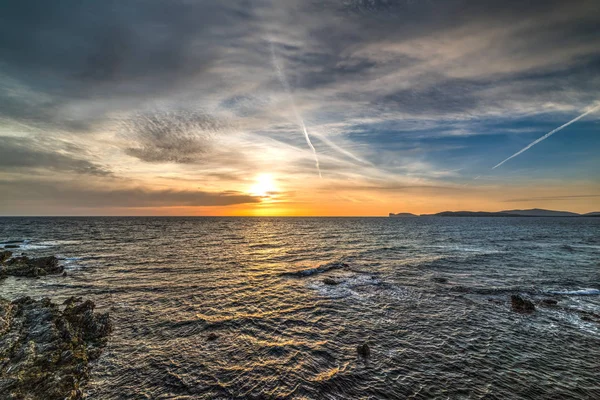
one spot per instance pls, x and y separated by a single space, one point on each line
21 154
88 51
114 55
68 195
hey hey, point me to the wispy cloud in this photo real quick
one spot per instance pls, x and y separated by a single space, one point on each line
554 198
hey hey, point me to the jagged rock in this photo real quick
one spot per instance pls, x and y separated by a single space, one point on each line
44 352
363 350
31 267
5 255
549 302
521 305
330 281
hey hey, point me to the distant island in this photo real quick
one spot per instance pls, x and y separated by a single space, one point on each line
534 212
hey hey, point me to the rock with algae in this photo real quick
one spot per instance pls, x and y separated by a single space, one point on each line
45 350
28 267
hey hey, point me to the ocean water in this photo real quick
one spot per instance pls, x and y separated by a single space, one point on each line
429 295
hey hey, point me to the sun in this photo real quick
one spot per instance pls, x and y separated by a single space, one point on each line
264 186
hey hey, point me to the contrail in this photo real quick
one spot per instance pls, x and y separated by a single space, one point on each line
547 135
286 86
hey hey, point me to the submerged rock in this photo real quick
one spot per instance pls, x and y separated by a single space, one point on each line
549 302
5 255
318 270
31 267
45 352
330 281
363 350
521 305
589 316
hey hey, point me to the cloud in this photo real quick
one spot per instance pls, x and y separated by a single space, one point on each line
71 65
178 137
68 195
554 198
390 89
19 154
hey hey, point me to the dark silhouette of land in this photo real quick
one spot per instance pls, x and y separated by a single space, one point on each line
534 212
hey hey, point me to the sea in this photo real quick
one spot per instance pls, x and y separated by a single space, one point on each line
237 308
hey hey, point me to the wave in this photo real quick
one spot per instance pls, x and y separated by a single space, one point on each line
578 292
266 246
11 242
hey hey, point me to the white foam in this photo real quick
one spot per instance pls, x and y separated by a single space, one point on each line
579 292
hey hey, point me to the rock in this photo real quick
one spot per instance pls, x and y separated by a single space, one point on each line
439 279
44 352
521 305
363 350
549 302
212 336
50 264
5 255
318 270
32 267
11 246
64 273
330 281
567 248
589 316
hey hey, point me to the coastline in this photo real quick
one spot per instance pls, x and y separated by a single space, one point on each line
46 349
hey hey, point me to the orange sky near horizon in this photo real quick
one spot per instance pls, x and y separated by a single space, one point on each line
319 200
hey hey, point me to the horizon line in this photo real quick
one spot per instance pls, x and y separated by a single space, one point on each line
283 216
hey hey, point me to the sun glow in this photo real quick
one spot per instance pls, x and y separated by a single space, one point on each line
264 186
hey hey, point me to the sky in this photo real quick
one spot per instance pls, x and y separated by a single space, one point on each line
290 107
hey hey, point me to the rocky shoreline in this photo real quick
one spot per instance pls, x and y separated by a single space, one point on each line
46 348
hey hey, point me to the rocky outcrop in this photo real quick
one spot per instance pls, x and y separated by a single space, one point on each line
29 267
45 350
521 305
